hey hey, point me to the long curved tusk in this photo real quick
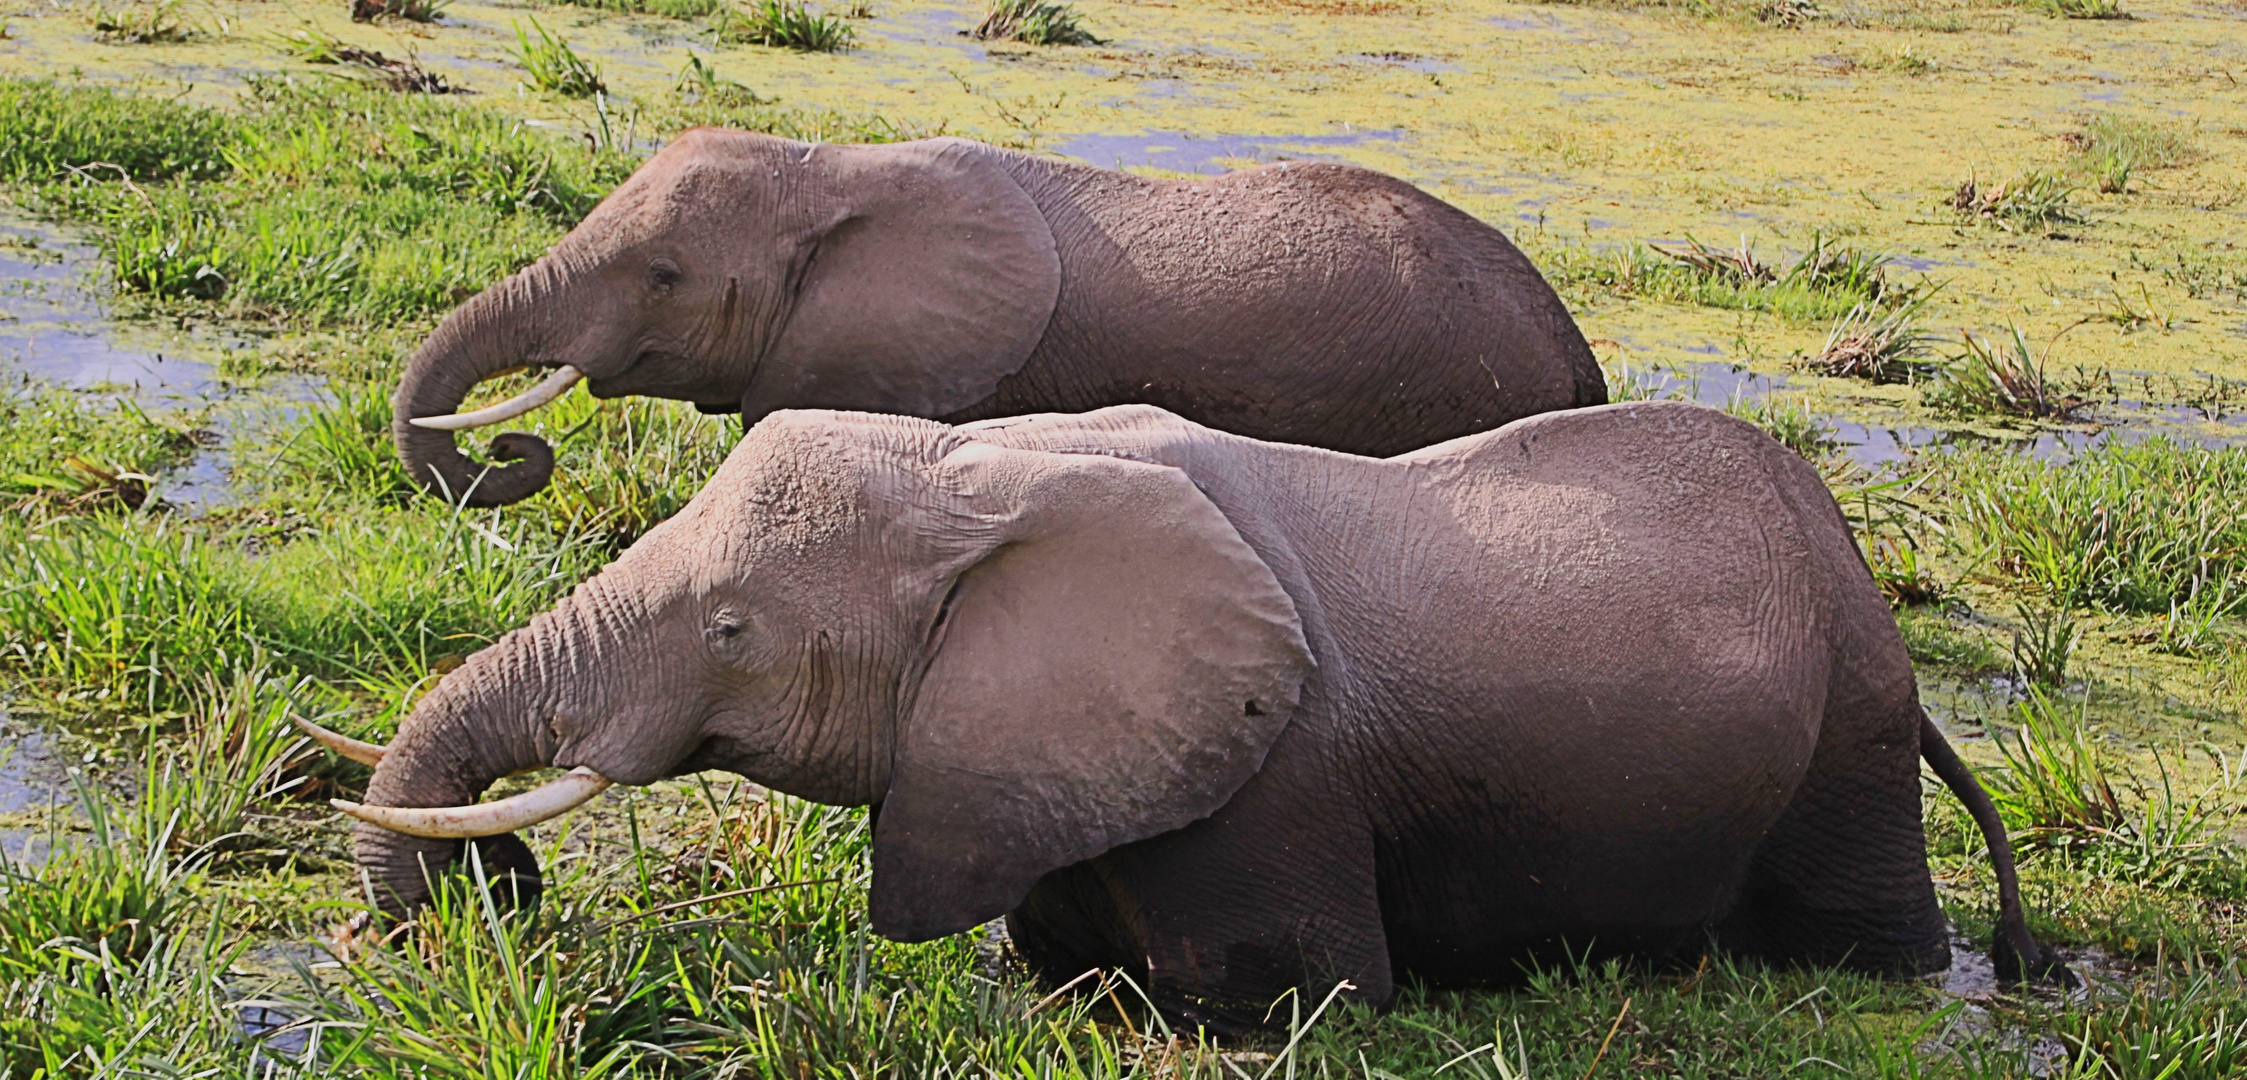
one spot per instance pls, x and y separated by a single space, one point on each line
350 749
553 387
552 799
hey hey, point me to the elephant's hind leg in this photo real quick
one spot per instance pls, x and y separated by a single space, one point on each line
1842 877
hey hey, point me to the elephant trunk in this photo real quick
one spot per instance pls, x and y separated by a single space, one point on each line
480 724
480 340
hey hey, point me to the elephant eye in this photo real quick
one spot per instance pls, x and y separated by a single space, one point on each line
723 630
662 274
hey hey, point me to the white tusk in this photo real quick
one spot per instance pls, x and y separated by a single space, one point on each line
350 749
552 799
555 386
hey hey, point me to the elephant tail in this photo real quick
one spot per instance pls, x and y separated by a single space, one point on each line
2014 953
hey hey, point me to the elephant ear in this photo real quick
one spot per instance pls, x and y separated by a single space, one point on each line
930 275
1112 663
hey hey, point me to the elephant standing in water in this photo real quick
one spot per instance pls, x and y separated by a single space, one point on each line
1318 304
1236 716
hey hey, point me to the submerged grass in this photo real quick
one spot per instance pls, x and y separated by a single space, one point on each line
2110 149
675 9
1825 282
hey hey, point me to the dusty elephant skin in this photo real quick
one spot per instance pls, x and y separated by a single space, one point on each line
1320 304
1235 716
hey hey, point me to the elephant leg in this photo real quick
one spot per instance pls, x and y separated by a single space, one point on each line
1217 920
1841 878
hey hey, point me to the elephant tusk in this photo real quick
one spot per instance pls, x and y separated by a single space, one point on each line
553 799
555 386
350 749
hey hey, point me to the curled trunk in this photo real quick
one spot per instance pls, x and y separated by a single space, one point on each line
475 343
470 732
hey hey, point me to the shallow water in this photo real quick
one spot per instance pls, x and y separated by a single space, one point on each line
52 323
33 777
56 326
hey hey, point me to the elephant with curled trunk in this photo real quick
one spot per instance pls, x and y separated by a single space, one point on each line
1236 716
1319 304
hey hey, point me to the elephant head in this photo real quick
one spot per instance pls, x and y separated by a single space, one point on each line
1022 658
742 271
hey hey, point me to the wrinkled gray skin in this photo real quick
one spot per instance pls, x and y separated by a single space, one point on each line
1236 716
1318 304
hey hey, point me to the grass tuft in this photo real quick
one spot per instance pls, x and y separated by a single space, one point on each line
672 9
1788 420
2110 149
2080 9
1867 343
2043 645
2060 789
2006 379
786 25
2035 202
410 10
554 67
1033 22
156 22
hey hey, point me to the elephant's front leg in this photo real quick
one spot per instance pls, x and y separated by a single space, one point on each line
1218 919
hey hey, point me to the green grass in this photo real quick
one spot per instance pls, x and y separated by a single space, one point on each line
1033 22
412 10
152 22
373 600
2133 528
784 24
2111 149
331 204
325 204
49 130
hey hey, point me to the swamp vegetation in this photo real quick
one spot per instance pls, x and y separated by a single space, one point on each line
1985 262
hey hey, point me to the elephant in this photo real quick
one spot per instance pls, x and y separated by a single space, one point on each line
1235 716
1316 303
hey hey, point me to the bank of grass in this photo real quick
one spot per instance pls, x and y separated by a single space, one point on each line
326 204
720 933
2150 528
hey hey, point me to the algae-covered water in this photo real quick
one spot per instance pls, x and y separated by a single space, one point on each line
1590 125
